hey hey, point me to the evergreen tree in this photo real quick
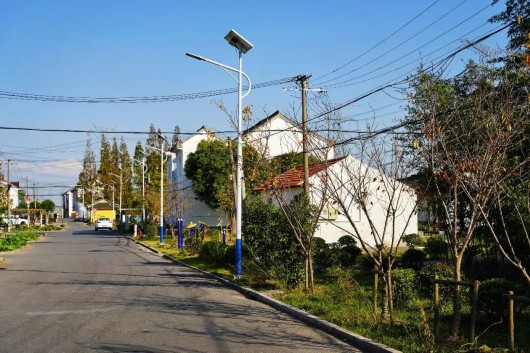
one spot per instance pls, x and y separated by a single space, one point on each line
105 168
126 165
176 138
88 176
137 176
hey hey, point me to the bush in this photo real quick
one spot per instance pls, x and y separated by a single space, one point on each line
436 247
414 240
426 276
347 250
413 258
213 251
151 231
322 257
490 300
270 245
405 286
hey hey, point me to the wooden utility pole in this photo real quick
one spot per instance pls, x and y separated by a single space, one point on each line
8 195
303 82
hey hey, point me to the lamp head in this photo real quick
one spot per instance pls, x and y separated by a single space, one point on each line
238 41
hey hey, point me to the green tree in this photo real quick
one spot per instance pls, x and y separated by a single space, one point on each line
48 205
88 175
137 173
126 170
106 167
517 33
212 173
483 105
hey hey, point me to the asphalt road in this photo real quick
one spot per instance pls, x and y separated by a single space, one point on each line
86 291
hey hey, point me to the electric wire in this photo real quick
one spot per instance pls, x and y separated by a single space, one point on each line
148 99
378 44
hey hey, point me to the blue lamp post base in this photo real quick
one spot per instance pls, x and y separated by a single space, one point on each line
161 234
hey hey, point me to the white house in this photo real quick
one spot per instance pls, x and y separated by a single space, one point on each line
272 136
71 205
14 197
193 210
277 135
342 185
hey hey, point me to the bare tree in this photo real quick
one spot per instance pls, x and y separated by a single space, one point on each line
472 142
175 204
379 208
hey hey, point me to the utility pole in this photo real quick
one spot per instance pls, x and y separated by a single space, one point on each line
27 199
303 82
8 196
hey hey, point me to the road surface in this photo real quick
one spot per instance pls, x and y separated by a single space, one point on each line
86 291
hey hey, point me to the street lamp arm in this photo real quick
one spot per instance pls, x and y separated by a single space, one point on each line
224 67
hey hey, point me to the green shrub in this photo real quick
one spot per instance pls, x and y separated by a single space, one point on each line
16 240
322 255
436 247
426 276
405 286
151 231
414 240
347 250
413 258
192 244
490 300
273 252
213 251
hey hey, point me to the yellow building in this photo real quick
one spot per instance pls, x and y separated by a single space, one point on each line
102 208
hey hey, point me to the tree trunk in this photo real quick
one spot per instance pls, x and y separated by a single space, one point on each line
390 294
384 299
310 270
457 299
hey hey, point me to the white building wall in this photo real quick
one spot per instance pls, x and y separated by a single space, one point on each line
13 196
194 210
332 230
278 136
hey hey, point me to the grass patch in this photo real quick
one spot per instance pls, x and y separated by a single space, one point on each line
17 240
344 297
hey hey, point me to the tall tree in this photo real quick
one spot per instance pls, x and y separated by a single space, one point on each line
483 106
211 171
106 167
137 175
515 10
88 175
175 140
126 165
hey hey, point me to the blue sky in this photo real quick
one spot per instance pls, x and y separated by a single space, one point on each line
136 48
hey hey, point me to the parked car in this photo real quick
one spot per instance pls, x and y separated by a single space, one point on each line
15 220
103 223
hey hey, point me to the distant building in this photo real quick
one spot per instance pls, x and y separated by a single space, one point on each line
72 208
272 136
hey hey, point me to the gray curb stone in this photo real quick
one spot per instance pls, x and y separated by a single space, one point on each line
363 343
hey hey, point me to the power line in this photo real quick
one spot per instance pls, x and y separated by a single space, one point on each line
410 38
378 44
148 99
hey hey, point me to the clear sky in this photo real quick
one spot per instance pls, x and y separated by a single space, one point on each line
136 48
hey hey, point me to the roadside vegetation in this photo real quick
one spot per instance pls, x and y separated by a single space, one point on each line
17 240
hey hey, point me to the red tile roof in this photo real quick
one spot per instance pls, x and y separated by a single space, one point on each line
295 176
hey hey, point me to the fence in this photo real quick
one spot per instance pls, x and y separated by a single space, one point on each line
511 298
474 299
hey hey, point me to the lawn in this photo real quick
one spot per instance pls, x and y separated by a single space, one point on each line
344 297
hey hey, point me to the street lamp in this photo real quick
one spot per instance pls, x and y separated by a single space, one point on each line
144 169
119 176
161 149
242 45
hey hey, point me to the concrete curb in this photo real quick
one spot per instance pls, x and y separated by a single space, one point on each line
357 341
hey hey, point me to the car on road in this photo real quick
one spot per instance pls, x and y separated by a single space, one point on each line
103 223
16 220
